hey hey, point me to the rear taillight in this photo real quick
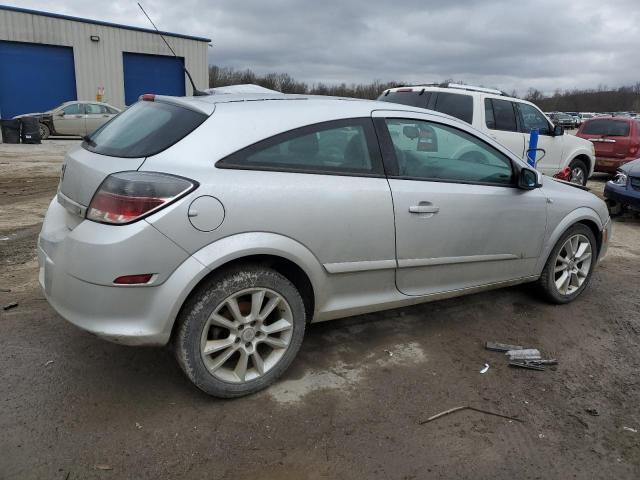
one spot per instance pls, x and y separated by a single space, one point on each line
129 196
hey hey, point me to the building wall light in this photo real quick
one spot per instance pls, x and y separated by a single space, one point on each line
94 38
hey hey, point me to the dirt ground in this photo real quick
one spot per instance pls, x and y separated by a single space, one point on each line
73 406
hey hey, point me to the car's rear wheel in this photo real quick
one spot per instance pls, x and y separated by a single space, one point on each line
579 172
570 265
44 131
240 331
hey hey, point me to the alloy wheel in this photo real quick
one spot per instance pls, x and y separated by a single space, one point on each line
246 335
573 264
577 176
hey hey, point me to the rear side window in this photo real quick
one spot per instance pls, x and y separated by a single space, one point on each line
456 105
503 115
412 99
343 146
144 129
610 128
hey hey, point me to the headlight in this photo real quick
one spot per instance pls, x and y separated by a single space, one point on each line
620 178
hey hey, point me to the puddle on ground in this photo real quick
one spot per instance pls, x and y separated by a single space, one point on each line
343 375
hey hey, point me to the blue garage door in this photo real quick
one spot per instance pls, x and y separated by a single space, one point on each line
157 74
35 78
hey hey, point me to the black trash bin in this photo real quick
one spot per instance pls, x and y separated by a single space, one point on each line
10 130
30 132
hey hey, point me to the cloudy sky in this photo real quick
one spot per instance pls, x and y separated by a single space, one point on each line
545 44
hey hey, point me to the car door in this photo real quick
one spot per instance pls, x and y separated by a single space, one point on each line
70 120
460 220
501 124
531 117
97 115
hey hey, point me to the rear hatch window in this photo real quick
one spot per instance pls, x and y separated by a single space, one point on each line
144 129
608 128
410 98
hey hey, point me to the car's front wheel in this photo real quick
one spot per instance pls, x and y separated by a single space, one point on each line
579 173
44 131
240 331
570 265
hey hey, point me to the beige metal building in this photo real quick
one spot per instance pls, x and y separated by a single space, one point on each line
47 59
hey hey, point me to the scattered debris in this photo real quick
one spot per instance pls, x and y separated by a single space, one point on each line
9 306
501 347
486 367
138 426
389 352
467 407
531 365
104 467
524 354
5 290
592 411
629 429
4 239
582 422
48 362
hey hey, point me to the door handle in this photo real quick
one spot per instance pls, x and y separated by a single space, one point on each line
423 209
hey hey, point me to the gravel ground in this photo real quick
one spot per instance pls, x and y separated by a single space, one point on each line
75 407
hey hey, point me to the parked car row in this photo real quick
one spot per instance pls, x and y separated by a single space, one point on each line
222 225
77 118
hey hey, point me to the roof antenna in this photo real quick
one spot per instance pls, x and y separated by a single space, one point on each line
196 92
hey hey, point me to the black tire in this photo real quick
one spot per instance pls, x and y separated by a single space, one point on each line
546 281
576 163
196 311
44 131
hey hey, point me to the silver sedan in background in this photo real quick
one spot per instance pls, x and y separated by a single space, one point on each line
75 118
223 225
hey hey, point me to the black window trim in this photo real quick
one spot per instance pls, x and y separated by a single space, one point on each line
377 167
391 161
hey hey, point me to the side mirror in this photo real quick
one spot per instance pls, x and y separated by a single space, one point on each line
528 179
61 114
558 130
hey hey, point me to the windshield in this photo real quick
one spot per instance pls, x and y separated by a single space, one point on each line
144 129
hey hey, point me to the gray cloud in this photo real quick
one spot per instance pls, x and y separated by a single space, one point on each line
543 44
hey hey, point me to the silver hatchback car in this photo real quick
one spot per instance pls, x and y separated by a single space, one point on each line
222 225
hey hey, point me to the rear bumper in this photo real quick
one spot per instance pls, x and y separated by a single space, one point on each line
76 275
610 165
623 194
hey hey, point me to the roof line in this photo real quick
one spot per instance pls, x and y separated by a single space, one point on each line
99 22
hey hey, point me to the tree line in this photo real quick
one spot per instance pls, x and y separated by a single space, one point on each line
602 99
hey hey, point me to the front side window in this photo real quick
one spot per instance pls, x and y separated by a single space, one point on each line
73 109
533 118
431 151
504 115
455 104
343 146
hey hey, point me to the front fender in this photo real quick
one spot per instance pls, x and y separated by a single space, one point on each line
575 216
577 151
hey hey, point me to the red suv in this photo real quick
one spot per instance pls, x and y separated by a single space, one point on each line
616 141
